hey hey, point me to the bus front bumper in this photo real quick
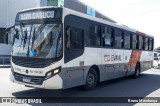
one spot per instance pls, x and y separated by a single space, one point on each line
54 82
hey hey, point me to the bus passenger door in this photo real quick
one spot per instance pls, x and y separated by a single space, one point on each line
74 56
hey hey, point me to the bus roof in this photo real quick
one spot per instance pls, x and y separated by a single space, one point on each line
91 18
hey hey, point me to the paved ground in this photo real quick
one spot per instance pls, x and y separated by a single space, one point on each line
148 85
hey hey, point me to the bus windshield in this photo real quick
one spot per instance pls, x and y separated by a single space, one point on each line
38 41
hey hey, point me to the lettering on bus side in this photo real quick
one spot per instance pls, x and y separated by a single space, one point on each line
112 58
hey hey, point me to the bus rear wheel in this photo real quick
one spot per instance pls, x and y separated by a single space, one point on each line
91 80
137 71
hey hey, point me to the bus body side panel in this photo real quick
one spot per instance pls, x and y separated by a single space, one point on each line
74 72
116 63
118 59
146 60
93 57
108 64
128 70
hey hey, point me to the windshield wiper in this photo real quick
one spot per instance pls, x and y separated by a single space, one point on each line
24 34
29 40
35 34
22 37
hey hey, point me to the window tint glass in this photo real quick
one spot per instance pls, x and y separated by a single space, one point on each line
150 44
117 38
74 38
141 43
107 41
127 39
94 36
146 43
134 41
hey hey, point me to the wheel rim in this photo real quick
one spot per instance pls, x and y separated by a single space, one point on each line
90 79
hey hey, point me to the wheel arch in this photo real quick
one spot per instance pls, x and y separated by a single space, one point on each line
97 71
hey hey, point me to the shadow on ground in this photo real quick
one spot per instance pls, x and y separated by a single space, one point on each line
123 87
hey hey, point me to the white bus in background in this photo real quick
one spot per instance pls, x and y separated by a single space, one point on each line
6 43
58 48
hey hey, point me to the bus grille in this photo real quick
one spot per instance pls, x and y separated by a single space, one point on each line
30 63
34 80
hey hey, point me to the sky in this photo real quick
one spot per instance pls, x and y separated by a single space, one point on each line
142 15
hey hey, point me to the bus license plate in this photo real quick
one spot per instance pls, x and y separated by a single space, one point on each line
26 79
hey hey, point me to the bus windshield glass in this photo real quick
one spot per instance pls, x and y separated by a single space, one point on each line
38 41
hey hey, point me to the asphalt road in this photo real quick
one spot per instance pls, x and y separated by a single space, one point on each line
147 85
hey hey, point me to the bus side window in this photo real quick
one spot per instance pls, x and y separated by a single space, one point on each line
141 43
146 43
134 41
150 44
137 42
94 38
74 38
118 38
127 40
107 36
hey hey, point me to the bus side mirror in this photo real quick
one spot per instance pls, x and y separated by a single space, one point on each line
11 34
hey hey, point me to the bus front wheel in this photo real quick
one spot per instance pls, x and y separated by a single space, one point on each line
91 80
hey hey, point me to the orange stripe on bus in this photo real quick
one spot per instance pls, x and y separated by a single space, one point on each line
135 57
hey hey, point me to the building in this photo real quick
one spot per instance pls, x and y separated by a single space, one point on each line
9 9
13 6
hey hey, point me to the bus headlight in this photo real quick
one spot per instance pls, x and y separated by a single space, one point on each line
52 73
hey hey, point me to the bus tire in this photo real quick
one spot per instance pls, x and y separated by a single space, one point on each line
137 71
91 79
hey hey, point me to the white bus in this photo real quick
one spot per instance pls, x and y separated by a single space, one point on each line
5 47
59 48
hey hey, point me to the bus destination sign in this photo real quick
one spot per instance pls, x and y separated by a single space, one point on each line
36 15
